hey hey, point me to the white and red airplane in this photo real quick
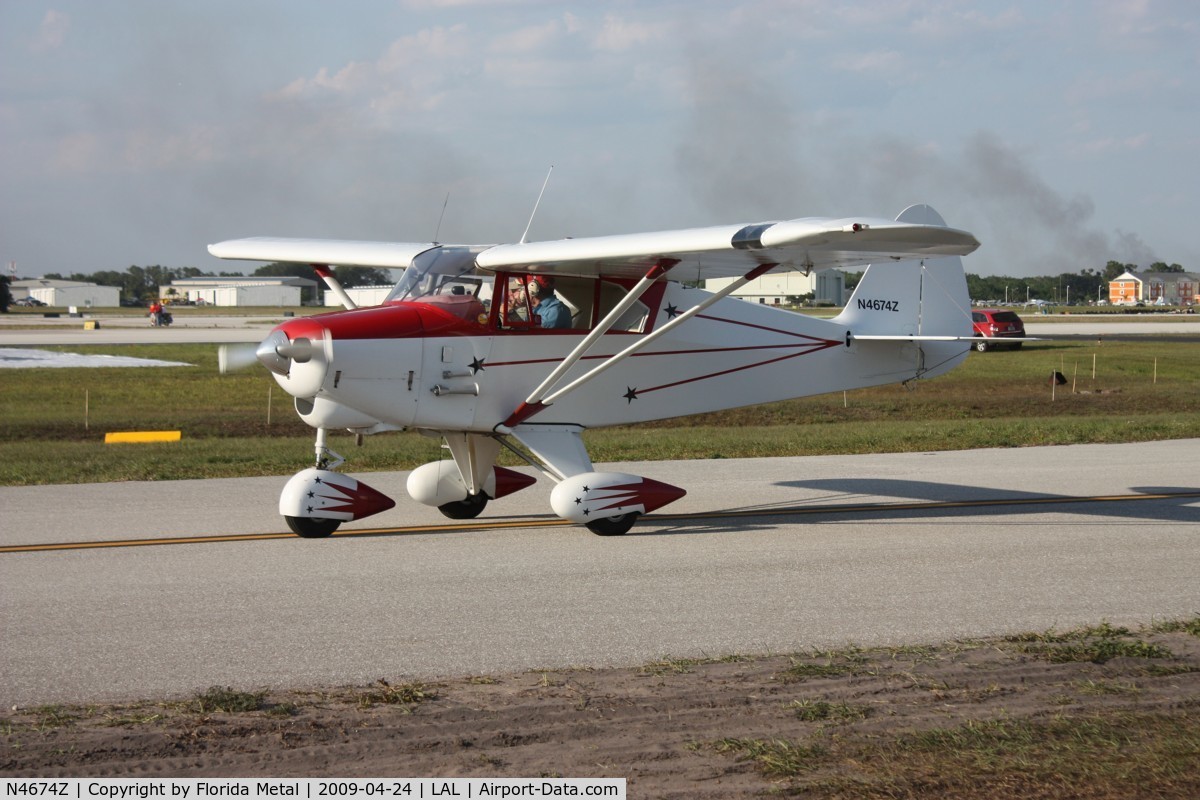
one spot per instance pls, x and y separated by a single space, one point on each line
524 346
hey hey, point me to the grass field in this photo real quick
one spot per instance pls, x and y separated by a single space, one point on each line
53 421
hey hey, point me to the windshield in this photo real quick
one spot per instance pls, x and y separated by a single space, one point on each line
440 270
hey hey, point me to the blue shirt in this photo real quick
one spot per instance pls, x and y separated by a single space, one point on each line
554 313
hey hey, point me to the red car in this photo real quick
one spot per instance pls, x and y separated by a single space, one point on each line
992 325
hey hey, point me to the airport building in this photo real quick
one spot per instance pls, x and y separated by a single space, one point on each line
784 288
65 294
243 290
362 296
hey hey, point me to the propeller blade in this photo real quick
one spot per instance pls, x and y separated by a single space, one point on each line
233 357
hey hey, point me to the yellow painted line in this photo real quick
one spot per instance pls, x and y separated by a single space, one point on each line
494 525
131 437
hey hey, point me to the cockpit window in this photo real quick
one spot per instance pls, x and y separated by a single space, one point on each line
447 269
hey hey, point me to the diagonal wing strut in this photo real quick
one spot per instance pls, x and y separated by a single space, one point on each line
533 404
539 399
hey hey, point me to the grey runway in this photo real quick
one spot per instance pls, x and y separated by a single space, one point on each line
825 551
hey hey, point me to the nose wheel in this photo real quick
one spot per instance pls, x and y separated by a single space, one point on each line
613 526
309 528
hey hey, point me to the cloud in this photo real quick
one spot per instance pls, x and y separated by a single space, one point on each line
532 38
885 62
617 34
1111 144
52 32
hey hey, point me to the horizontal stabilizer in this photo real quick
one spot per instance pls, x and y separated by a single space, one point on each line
914 338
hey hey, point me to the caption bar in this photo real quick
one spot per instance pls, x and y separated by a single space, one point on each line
309 788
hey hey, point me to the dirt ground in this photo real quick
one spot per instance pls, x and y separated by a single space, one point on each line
1102 712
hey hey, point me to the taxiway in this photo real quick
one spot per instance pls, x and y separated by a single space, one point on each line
763 555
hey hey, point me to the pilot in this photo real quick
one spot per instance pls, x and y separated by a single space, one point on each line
552 311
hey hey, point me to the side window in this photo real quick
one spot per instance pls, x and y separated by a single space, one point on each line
514 309
634 319
587 299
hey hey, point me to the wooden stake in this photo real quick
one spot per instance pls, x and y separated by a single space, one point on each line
270 390
86 410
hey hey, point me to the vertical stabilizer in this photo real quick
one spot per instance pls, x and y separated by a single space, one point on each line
911 298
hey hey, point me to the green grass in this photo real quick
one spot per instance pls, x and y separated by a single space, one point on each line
225 700
1097 644
400 694
52 421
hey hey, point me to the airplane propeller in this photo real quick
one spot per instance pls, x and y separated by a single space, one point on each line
303 361
234 357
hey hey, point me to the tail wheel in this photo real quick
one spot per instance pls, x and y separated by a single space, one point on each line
613 526
310 528
470 508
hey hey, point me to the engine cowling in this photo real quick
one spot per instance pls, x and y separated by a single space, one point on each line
599 495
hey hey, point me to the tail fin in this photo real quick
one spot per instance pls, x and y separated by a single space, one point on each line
911 298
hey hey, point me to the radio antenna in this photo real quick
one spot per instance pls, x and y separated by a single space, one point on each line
525 235
441 216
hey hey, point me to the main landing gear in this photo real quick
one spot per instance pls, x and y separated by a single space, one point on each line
470 508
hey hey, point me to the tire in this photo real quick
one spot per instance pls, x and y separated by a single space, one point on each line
613 526
470 508
981 346
309 528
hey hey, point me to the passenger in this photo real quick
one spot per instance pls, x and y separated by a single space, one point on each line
552 311
516 308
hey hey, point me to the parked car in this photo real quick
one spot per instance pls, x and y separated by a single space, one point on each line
993 325
28 301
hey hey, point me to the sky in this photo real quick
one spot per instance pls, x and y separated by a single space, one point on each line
1062 134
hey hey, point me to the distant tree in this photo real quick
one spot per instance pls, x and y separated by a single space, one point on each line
5 295
1159 266
1113 270
363 276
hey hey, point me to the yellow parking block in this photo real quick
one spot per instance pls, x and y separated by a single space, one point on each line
92 325
142 436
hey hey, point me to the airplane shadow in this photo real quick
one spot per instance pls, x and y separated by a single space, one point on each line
857 499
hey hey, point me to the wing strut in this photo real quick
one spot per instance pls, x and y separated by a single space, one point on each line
539 400
326 274
645 340
534 403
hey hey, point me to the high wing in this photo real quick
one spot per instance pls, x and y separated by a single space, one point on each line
811 243
385 255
